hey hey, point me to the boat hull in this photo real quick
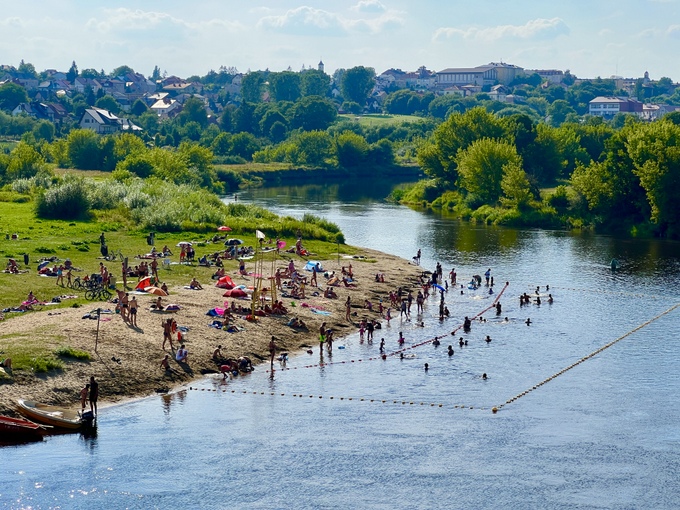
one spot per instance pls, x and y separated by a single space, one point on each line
50 415
18 428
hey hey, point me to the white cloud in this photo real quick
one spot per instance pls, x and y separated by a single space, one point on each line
307 20
12 22
533 29
129 19
369 6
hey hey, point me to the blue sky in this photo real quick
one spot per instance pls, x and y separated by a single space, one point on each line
591 38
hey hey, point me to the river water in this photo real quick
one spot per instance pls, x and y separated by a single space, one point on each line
604 434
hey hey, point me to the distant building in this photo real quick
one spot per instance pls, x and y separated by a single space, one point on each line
656 111
321 66
550 75
104 122
609 106
490 74
54 112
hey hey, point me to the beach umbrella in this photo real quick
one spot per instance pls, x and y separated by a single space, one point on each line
281 244
232 242
184 243
143 283
155 290
235 293
224 228
439 287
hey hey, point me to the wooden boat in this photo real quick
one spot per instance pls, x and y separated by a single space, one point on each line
51 415
18 428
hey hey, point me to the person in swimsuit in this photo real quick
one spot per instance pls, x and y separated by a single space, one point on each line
133 311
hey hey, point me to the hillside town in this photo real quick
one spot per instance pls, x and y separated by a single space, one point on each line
105 102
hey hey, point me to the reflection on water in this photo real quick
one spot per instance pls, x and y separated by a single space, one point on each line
602 435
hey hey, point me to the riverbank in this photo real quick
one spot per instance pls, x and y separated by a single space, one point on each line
127 360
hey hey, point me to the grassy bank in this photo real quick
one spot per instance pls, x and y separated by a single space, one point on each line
272 174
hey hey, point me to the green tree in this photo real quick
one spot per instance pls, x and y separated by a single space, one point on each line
351 149
92 74
558 112
108 103
44 130
11 95
193 111
24 162
225 122
83 149
122 71
284 86
269 119
28 69
137 163
655 152
244 145
278 132
251 87
314 83
482 165
72 73
221 145
125 144
357 84
438 157
314 148
313 113
515 186
138 108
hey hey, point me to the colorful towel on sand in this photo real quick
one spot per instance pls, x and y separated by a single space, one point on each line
320 312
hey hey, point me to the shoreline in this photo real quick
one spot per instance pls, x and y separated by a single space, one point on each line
138 373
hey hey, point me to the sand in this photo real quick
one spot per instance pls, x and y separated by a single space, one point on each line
138 372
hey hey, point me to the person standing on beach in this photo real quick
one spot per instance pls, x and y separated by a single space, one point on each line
167 333
83 397
348 309
94 395
133 311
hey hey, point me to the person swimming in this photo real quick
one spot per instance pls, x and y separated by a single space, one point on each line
436 342
427 367
450 351
527 322
484 376
460 342
487 339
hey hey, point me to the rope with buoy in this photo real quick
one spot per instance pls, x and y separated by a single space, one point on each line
585 358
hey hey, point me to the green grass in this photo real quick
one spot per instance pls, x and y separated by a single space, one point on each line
70 352
79 241
379 119
30 353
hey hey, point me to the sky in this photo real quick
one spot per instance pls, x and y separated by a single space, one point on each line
191 37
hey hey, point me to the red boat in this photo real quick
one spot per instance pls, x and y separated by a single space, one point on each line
18 428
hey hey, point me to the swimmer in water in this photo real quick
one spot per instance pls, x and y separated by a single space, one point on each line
484 376
427 367
436 342
401 338
382 345
450 350
550 299
538 300
487 339
401 355
527 322
460 342
506 319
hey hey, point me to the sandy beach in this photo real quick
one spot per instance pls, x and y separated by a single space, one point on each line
127 360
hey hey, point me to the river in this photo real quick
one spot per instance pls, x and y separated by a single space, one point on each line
604 434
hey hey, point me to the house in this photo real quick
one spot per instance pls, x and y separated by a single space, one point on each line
81 84
498 93
53 112
165 107
548 75
656 111
104 122
490 74
609 106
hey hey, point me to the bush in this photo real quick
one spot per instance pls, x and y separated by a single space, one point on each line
66 202
231 179
42 249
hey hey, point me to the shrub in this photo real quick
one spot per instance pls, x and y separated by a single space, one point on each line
42 249
69 201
